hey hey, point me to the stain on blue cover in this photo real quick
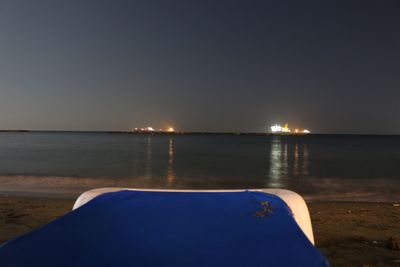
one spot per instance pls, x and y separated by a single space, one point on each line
136 228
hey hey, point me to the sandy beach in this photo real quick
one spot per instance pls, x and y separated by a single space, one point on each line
347 233
356 233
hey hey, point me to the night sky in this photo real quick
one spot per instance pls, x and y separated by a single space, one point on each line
329 66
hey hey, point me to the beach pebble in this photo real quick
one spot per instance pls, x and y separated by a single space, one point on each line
393 243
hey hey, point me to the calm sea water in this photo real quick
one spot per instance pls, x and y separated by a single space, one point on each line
317 166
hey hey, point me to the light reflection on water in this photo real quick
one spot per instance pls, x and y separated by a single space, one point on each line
170 170
307 164
304 169
283 165
148 158
296 170
276 159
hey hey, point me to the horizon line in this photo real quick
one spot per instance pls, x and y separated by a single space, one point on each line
190 132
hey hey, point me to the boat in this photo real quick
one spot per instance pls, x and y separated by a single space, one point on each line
277 129
148 227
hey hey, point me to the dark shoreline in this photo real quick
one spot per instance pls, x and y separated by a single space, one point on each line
199 133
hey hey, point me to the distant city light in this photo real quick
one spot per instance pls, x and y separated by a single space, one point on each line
306 131
171 130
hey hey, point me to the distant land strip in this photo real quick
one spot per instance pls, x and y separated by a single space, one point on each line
14 131
149 133
193 133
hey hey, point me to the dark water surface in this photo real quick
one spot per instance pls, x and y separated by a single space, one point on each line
317 166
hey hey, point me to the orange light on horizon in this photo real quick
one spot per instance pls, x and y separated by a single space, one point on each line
171 130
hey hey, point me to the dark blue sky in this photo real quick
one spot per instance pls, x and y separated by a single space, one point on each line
330 66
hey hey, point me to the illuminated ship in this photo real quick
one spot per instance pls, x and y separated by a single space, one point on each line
152 130
278 129
144 130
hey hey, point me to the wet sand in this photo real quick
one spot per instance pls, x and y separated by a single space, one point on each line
347 233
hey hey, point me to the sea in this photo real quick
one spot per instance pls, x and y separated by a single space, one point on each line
319 167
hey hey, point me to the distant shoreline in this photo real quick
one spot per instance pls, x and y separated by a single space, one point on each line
194 133
14 131
153 133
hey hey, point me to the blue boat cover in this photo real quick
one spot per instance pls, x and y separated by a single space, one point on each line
136 228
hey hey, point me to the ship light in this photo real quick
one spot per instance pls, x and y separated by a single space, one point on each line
286 129
276 128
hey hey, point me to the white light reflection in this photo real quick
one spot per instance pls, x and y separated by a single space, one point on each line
278 162
170 170
304 167
296 165
148 158
135 157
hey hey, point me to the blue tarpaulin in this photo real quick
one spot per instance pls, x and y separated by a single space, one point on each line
136 228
